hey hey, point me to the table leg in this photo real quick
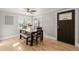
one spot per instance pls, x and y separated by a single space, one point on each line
20 36
27 41
31 43
41 38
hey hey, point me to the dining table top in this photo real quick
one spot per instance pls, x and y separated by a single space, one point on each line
29 30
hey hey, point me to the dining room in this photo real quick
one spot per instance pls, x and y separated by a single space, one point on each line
36 29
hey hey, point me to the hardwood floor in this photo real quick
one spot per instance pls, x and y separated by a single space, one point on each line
16 44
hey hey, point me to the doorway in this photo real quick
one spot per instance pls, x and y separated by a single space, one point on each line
66 26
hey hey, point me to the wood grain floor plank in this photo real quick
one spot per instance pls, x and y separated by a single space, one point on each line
16 44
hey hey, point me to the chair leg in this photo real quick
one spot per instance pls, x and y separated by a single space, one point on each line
27 41
36 41
20 36
41 38
31 42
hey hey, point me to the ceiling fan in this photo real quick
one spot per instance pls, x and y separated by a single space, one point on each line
28 10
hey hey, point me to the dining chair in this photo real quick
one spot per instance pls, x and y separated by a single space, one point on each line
39 34
32 39
35 37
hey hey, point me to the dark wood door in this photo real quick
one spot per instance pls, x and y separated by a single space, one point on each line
66 26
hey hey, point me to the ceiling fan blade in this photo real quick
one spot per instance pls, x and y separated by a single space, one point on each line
33 10
29 11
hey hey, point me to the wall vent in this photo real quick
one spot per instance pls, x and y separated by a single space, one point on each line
9 20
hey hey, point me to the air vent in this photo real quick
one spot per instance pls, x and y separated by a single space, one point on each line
9 20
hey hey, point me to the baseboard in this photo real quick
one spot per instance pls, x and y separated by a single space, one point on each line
3 38
50 37
77 45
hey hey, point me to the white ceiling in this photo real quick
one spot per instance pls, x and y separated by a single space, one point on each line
22 11
13 10
43 10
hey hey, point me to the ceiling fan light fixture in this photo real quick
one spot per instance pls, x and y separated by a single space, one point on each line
29 12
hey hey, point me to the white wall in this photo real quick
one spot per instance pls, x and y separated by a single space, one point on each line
8 30
49 24
77 27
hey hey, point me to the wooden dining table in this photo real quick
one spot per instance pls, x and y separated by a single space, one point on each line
28 31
